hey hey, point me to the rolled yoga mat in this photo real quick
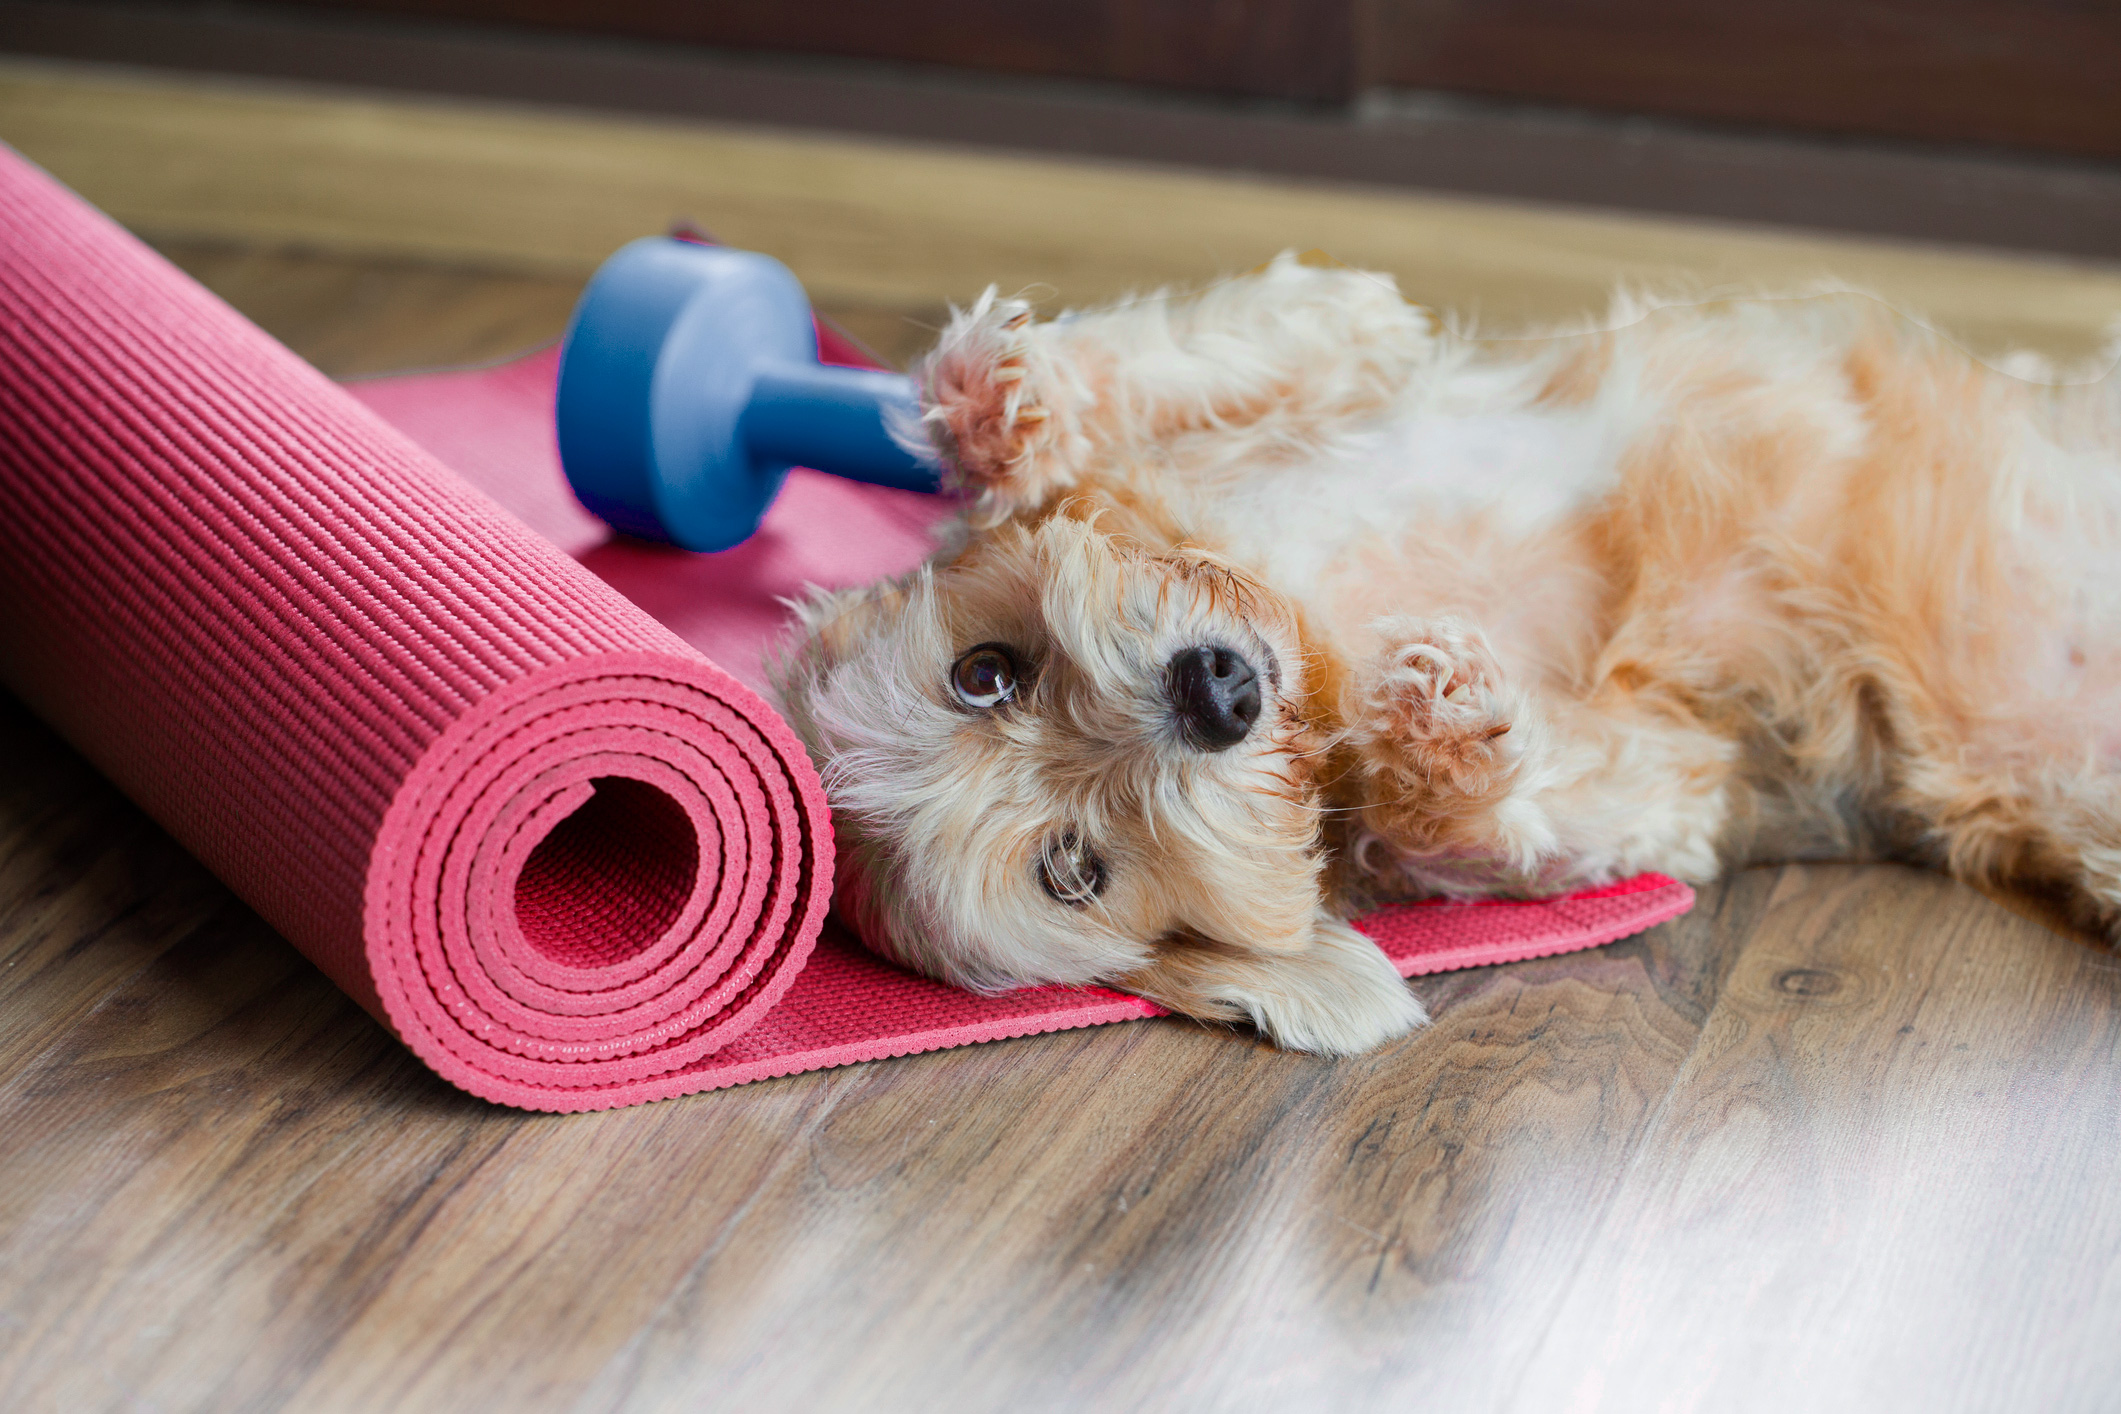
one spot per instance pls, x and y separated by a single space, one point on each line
564 856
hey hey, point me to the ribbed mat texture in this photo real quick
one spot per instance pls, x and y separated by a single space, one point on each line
565 856
509 804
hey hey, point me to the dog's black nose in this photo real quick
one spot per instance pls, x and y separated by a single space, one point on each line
1216 695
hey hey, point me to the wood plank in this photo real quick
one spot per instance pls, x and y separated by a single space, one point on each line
355 317
90 891
1888 1176
897 226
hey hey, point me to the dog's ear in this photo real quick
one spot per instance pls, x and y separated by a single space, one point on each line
831 619
831 625
1335 993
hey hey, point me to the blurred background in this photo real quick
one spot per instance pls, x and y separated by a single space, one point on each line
1993 121
1508 159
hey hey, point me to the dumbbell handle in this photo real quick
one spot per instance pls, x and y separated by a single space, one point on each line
840 419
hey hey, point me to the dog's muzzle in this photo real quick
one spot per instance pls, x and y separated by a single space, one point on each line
1215 693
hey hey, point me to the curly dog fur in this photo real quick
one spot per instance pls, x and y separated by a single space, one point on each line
1757 579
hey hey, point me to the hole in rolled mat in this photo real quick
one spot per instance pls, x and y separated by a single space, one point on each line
610 878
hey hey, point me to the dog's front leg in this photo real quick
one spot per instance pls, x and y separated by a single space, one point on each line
1021 410
1473 785
1451 756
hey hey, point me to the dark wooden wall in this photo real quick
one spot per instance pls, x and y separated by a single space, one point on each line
1290 49
2030 73
2037 74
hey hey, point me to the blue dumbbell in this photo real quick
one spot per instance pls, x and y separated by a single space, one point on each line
690 384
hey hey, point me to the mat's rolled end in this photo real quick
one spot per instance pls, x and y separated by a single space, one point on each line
566 857
595 881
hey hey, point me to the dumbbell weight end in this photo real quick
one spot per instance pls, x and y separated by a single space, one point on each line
689 385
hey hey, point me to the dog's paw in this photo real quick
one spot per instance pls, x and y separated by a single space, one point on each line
980 392
1329 990
1341 996
1436 699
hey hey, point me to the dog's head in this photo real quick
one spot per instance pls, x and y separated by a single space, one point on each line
1065 757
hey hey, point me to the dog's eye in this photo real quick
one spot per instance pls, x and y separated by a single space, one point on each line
1070 871
985 676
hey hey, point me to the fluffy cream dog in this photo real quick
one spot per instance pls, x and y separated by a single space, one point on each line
1278 601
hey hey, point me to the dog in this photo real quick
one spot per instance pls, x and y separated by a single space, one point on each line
1280 601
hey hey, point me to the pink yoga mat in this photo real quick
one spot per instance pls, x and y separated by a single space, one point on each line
468 752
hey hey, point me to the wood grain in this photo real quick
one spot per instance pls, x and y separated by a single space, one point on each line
1807 1232
1841 1139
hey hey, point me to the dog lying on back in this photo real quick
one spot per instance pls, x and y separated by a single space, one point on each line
1277 602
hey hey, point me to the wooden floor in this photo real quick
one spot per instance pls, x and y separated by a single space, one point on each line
1844 1138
